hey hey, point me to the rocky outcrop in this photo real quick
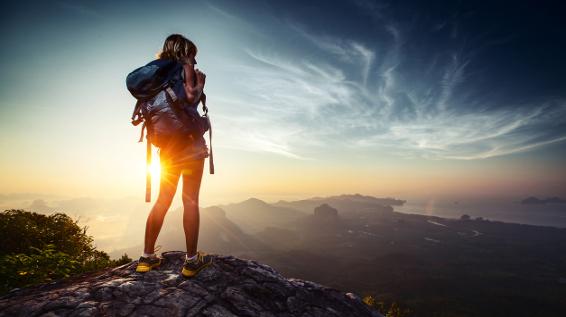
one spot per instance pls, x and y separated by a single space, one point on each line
230 287
325 211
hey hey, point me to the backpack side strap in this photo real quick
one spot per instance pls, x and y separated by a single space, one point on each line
203 100
205 109
137 116
148 171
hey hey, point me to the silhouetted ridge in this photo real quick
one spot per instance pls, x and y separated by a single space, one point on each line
536 201
254 202
215 211
346 204
253 215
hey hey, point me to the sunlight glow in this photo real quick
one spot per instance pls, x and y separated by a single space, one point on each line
155 167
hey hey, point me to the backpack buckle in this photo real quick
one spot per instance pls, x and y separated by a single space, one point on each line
137 121
171 93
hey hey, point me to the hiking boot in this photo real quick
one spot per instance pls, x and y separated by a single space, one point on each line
146 264
191 268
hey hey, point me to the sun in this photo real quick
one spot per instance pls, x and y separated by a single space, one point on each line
155 168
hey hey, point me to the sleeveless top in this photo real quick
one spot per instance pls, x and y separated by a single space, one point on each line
185 150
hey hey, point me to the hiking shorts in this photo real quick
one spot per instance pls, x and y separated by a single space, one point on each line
183 154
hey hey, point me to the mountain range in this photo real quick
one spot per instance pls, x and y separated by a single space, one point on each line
434 266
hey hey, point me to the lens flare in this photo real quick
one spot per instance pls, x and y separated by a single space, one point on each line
155 167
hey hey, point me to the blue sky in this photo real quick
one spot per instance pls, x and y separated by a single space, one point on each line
431 82
402 86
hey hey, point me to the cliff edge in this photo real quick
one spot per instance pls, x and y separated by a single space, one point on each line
230 287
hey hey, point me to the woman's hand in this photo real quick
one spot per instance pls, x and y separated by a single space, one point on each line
194 83
201 77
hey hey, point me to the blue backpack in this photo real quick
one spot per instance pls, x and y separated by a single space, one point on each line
163 109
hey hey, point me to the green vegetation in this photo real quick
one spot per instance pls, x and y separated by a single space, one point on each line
387 309
40 248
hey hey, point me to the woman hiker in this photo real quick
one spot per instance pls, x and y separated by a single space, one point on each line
184 158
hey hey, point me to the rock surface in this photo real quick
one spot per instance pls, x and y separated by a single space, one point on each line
230 287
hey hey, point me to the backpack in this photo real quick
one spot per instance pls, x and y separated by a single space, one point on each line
163 109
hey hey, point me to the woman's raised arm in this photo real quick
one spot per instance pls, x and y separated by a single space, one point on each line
194 83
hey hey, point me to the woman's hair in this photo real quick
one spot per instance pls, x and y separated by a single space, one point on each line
177 47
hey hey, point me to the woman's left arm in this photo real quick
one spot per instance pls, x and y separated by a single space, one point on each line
193 92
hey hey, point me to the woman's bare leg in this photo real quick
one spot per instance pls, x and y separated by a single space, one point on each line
167 189
192 177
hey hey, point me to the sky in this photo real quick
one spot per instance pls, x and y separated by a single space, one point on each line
386 98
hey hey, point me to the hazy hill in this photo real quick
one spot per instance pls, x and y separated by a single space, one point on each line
253 215
537 201
344 203
433 265
217 234
323 222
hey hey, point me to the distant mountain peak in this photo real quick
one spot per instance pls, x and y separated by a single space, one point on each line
254 201
230 287
325 210
216 211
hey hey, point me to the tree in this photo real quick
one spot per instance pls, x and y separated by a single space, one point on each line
38 248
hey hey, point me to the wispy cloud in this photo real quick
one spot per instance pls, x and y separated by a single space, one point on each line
470 136
360 95
235 20
452 77
80 9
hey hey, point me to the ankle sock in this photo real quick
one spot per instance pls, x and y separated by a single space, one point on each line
149 255
192 258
